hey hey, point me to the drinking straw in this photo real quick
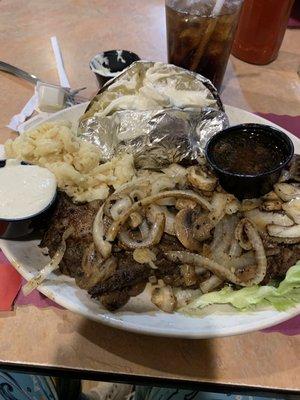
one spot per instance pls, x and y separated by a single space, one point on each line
63 79
218 7
212 22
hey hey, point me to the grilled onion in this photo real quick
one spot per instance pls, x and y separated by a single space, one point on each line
50 267
292 208
240 235
98 234
153 238
210 284
262 218
284 231
120 207
152 212
186 194
223 272
287 191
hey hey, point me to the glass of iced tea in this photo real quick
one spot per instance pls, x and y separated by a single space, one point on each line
268 19
200 34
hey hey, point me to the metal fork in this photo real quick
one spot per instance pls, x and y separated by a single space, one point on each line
18 72
11 69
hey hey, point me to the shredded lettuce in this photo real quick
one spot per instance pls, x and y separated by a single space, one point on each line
286 295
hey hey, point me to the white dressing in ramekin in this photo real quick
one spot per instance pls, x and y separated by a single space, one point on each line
25 190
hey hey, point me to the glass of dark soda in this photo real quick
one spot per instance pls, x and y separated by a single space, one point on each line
200 34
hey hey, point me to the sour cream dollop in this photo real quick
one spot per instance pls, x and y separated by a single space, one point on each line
25 190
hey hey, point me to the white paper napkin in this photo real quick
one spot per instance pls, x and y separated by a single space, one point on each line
26 112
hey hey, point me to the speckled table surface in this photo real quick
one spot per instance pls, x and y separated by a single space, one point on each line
62 340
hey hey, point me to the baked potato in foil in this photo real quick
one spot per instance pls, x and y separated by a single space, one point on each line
158 112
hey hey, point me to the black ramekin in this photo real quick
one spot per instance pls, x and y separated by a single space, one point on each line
115 63
16 228
247 186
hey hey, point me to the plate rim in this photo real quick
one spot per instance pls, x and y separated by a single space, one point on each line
129 326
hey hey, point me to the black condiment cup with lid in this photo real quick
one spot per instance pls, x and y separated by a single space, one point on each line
250 185
109 64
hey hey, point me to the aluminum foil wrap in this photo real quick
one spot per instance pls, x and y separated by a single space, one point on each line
158 112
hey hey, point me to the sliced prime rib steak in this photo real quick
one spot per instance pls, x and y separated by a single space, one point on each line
129 278
129 274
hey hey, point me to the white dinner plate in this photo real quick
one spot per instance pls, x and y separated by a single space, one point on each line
27 258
